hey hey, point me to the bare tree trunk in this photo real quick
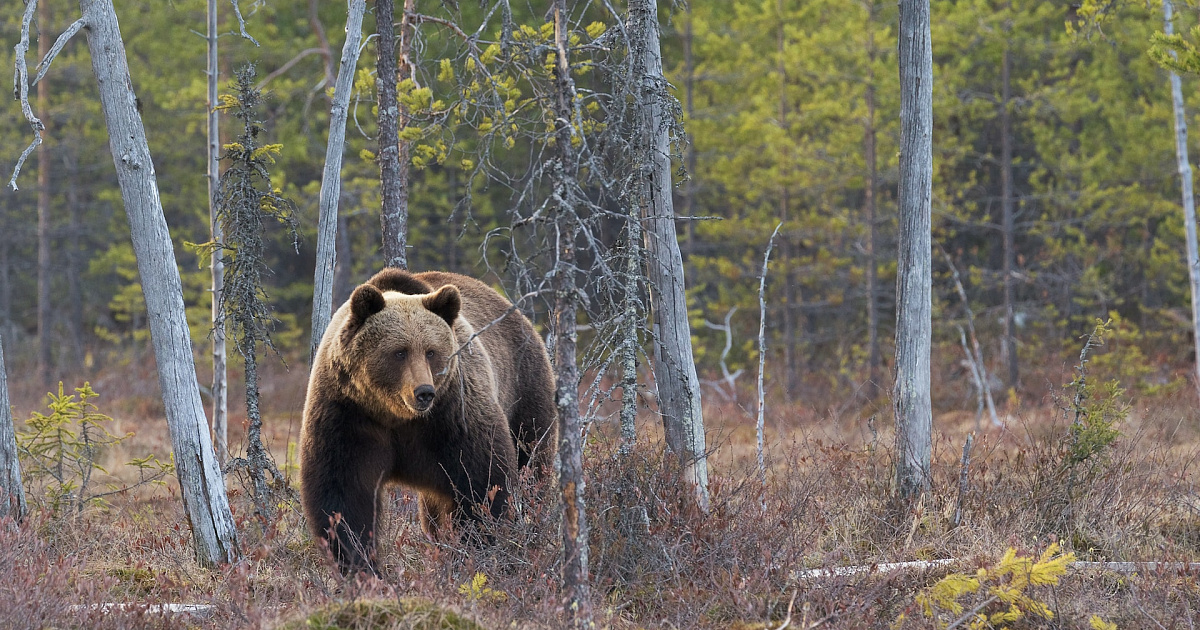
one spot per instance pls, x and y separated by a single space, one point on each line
201 483
44 309
6 323
874 355
393 154
331 178
914 286
12 493
1006 205
577 607
675 369
220 386
689 86
1185 184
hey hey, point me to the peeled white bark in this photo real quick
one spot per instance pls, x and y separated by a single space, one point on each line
201 482
1185 184
674 366
914 286
12 493
331 178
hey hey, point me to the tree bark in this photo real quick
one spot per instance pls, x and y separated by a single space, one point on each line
331 178
12 493
220 386
45 312
689 87
675 368
914 302
201 482
577 608
393 154
1185 184
1006 206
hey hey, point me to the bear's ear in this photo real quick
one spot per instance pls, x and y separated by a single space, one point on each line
399 280
364 302
445 303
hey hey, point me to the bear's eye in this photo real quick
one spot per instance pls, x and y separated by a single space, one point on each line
430 354
402 354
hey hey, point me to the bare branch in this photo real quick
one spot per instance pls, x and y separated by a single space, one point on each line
288 66
237 10
62 40
21 91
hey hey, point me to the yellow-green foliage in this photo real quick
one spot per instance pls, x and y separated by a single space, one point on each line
406 613
477 590
994 596
60 452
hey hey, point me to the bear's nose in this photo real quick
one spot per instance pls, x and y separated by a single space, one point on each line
424 396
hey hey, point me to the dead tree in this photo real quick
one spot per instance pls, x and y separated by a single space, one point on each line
220 386
565 181
331 177
246 199
914 281
675 368
393 161
12 493
201 482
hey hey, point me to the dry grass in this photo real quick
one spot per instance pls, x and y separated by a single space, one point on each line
826 503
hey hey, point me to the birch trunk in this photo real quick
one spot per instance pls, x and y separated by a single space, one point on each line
914 281
331 178
1185 184
220 386
675 369
201 482
12 493
576 590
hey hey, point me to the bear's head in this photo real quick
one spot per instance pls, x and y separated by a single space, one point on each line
399 350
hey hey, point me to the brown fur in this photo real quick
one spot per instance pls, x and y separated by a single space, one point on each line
399 337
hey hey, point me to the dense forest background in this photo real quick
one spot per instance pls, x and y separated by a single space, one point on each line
792 116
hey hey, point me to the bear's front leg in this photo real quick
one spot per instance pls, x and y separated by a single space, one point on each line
342 471
486 467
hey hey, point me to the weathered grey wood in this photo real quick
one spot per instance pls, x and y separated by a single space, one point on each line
331 178
12 493
220 386
393 167
201 482
914 305
576 589
675 368
1185 185
760 426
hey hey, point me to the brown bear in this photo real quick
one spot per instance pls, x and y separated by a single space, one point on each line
430 380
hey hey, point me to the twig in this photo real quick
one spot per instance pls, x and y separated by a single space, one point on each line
983 376
962 479
62 40
762 350
21 90
237 10
288 66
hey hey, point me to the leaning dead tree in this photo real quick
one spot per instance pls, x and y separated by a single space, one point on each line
331 177
914 280
201 482
675 368
246 200
12 493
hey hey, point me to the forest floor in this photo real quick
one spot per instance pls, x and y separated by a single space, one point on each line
1033 485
